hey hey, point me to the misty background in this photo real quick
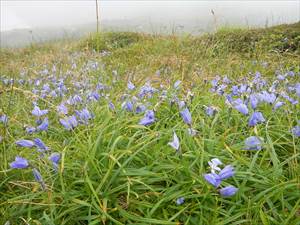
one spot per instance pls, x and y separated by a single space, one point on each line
24 21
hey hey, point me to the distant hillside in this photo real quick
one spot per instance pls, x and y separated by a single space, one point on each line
282 38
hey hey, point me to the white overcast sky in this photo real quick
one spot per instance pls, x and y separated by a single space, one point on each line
44 13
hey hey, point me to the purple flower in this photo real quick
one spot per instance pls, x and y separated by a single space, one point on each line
186 116
93 96
69 122
228 191
296 131
30 130
215 81
180 201
146 90
253 143
278 105
84 115
62 109
25 143
175 142
242 108
4 119
53 94
19 163
111 106
40 145
256 118
243 88
180 104
38 177
281 77
210 110
38 112
128 105
46 87
226 80
235 90
130 86
267 97
214 165
54 158
297 87
148 118
226 172
221 89
176 84
74 100
213 179
140 108
253 101
44 125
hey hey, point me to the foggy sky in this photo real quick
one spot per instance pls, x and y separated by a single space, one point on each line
60 13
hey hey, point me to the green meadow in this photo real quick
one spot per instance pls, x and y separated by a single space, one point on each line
115 170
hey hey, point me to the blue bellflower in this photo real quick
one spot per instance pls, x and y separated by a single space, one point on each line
242 108
210 110
148 118
277 105
25 143
44 125
38 112
4 119
69 122
128 106
214 165
186 116
111 106
62 109
84 115
140 108
40 145
54 158
176 84
30 130
19 163
296 131
130 86
175 142
38 177
226 172
228 191
253 143
255 119
213 178
253 101
180 201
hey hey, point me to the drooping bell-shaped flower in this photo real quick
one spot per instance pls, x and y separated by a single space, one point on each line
186 116
148 118
213 179
19 163
25 143
253 143
228 191
255 119
38 112
175 142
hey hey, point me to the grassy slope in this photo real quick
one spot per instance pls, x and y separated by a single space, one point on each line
115 172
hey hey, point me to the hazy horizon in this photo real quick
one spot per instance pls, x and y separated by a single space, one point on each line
59 13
